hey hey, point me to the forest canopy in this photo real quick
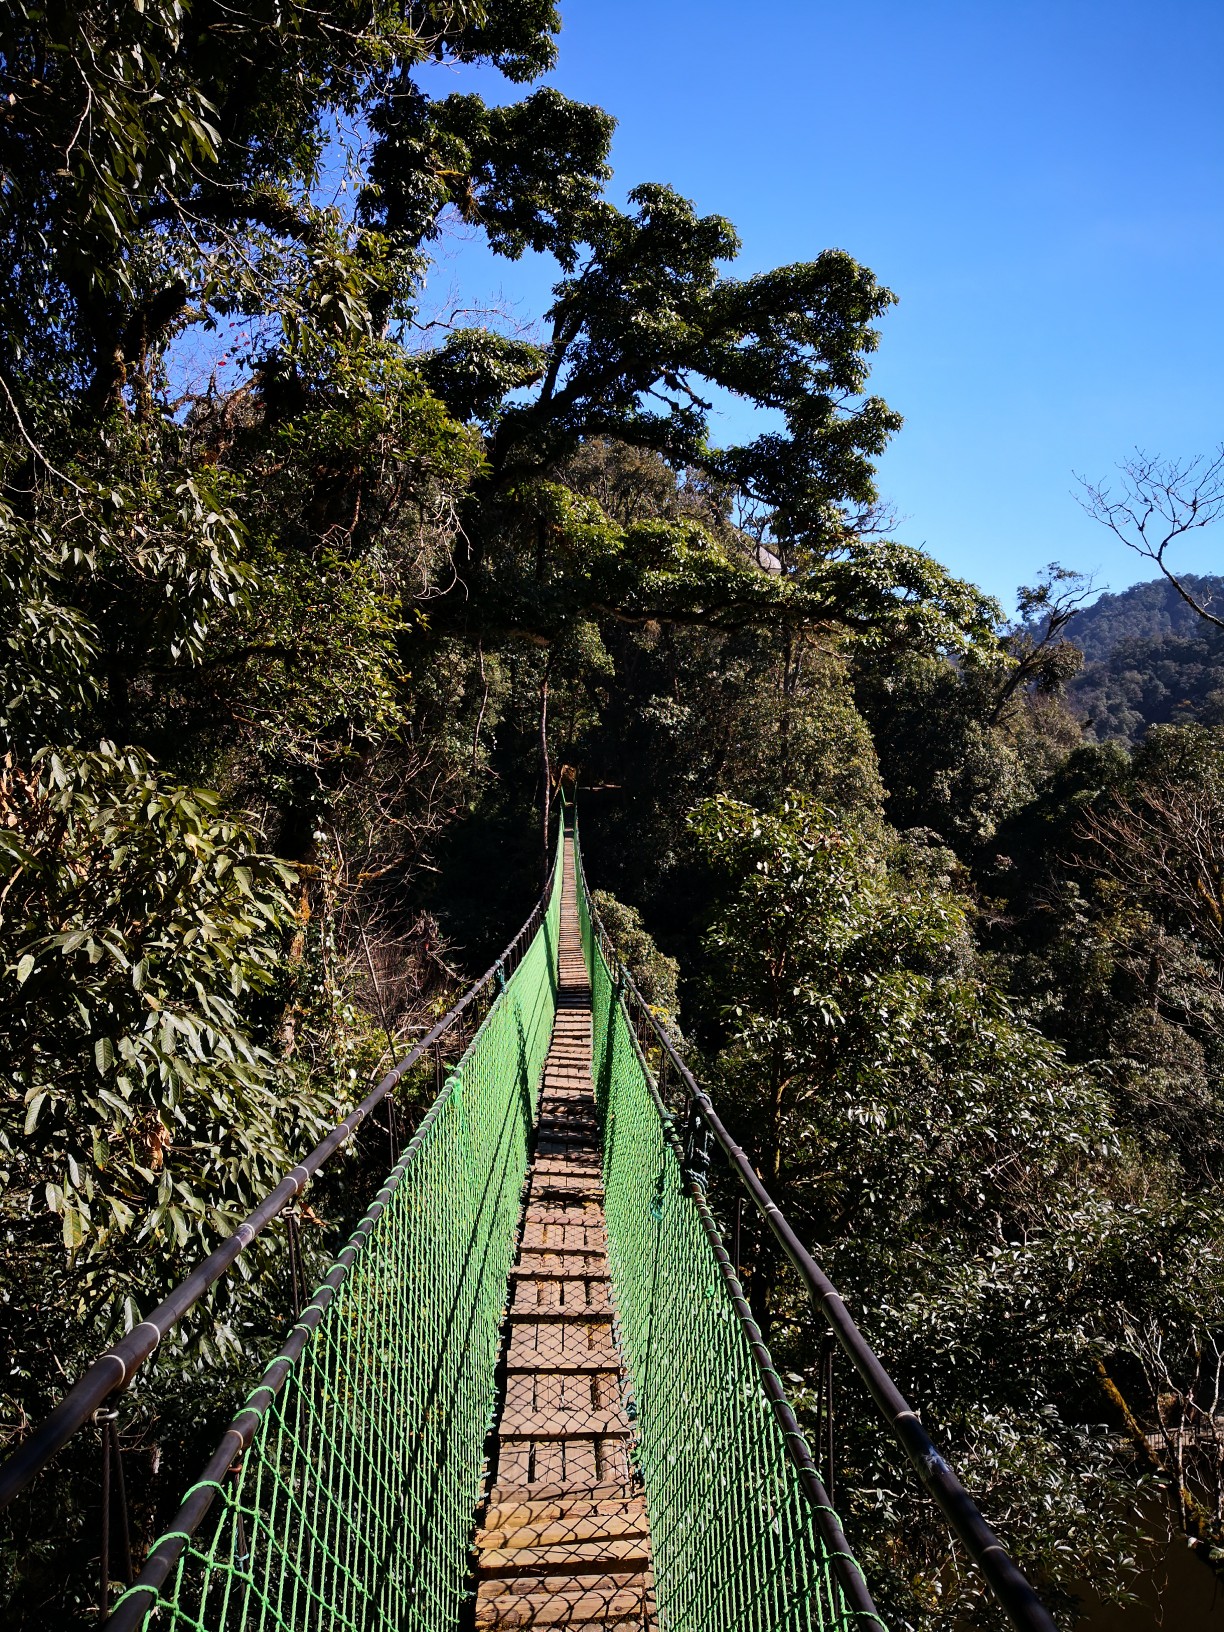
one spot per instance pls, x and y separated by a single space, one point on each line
306 603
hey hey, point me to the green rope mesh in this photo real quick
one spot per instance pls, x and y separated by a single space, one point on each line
732 1535
354 1504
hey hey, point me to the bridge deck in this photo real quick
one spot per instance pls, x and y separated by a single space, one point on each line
563 1541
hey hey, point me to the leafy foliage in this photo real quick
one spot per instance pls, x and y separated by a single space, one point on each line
1146 611
1166 680
937 1149
295 665
654 974
136 917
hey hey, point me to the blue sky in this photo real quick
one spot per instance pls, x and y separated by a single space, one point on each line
1041 184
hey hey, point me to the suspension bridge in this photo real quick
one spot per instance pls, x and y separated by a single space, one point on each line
529 1392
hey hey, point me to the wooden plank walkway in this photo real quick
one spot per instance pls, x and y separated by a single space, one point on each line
563 1540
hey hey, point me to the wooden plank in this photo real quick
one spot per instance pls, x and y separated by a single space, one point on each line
548 1458
559 1609
562 1298
592 1315
563 1339
547 1425
557 1341
612 1458
565 1528
540 1512
566 1555
581 1463
520 1393
513 1464
558 1236
523 1360
569 1583
608 1489
586 1397
567 1226
555 1261
567 1188
548 1393
569 1215
537 1298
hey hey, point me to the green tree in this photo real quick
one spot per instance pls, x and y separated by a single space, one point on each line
943 1161
965 745
367 591
1109 926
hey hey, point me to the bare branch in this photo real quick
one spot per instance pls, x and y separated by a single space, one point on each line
1161 501
1166 844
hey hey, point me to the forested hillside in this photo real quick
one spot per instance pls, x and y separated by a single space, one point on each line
1148 611
297 653
1149 659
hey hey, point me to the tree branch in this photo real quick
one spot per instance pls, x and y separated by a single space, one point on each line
1161 501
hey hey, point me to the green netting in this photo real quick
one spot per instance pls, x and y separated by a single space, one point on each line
733 1537
355 1503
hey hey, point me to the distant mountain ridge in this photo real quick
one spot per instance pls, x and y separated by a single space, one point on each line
1147 611
1149 659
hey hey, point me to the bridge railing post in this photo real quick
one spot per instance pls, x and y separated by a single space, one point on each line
243 1552
297 1278
825 1444
112 1457
699 1147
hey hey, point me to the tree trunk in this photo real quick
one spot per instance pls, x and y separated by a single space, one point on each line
1200 1526
787 645
768 1263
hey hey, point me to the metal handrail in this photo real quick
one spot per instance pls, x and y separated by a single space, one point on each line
138 1602
844 1564
1006 1580
115 1369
